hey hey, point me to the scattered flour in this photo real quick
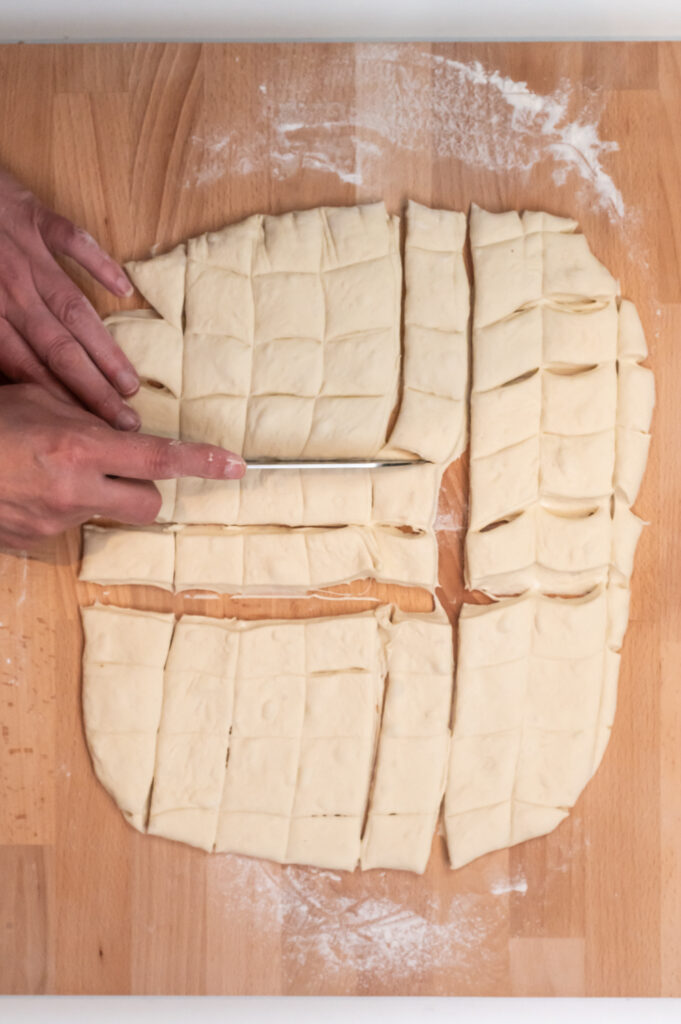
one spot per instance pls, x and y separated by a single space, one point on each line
356 923
507 885
408 101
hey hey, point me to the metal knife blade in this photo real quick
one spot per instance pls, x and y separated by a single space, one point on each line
329 463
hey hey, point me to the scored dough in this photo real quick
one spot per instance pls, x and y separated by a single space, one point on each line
560 412
535 701
292 708
242 560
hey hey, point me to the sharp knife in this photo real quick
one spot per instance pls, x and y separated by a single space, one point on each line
329 463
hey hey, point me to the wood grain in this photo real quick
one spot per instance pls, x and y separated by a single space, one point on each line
136 142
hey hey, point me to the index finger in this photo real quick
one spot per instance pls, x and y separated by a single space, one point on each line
146 457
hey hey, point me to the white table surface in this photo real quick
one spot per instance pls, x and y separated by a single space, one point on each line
52 20
74 20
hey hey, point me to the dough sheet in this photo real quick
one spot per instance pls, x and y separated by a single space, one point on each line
260 737
536 691
560 412
251 560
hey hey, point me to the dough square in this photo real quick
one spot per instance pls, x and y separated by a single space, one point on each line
255 835
206 560
231 247
190 768
291 366
409 558
476 832
585 337
437 290
398 841
359 233
436 230
410 774
193 825
406 496
508 349
215 365
154 347
122 699
579 403
291 241
333 776
518 263
570 628
564 693
341 704
570 268
573 543
124 764
348 502
503 483
197 702
348 427
277 559
207 501
288 305
419 645
261 775
218 302
158 410
490 698
201 646
554 767
481 770
361 297
430 426
271 706
215 420
436 361
125 637
635 396
272 649
128 556
630 462
417 704
529 821
505 416
269 496
631 340
168 491
325 842
339 554
361 364
577 467
161 282
343 644
278 426
506 546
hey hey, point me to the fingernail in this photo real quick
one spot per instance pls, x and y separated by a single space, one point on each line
235 469
127 419
124 286
127 382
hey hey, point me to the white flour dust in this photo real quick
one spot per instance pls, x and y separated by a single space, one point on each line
359 925
408 101
507 885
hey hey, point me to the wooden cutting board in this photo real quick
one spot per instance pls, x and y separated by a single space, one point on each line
147 144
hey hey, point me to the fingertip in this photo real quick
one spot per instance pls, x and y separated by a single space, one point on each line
235 468
127 382
128 419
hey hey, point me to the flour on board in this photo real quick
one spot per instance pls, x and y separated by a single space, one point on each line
361 928
410 100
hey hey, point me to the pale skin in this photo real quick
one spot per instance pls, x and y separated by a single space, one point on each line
68 447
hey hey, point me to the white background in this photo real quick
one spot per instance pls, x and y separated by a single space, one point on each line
45 20
346 19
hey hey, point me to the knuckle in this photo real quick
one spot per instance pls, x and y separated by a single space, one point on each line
160 462
63 355
63 497
70 310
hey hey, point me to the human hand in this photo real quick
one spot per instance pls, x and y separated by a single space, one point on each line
49 332
60 465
